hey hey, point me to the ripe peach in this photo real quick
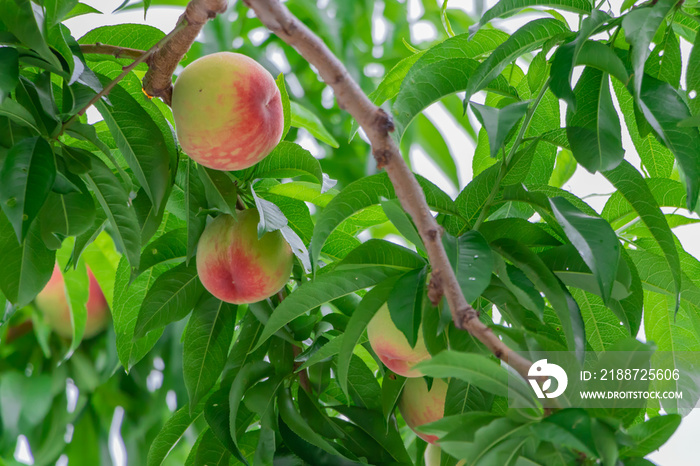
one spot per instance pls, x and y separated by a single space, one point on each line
418 405
236 266
52 302
228 111
392 347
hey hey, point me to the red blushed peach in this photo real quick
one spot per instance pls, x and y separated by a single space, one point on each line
236 266
228 111
418 405
392 347
52 302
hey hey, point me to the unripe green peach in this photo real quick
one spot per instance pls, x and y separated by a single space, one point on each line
418 405
52 302
392 347
236 266
228 111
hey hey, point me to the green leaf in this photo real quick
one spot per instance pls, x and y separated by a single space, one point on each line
506 8
664 63
363 386
287 160
115 203
171 433
441 71
140 141
594 239
633 187
325 288
220 189
657 159
593 129
363 313
27 266
134 36
26 178
640 26
67 214
9 76
363 193
498 122
171 297
566 56
286 109
17 113
405 303
472 261
245 378
664 108
692 76
195 202
205 346
403 223
305 118
650 435
169 247
526 39
560 299
479 370
210 452
127 301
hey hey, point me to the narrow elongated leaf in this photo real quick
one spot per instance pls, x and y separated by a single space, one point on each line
220 190
664 108
363 313
545 280
406 303
566 57
171 433
26 178
171 246
479 370
27 266
206 342
115 203
211 452
325 288
245 378
529 37
632 186
171 298
140 141
286 109
650 435
364 193
287 160
664 63
472 260
498 122
506 8
302 117
640 26
594 239
443 70
195 202
593 129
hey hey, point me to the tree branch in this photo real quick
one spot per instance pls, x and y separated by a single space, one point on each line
377 125
115 51
158 81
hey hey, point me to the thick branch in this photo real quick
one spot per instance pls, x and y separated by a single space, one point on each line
377 125
115 51
158 81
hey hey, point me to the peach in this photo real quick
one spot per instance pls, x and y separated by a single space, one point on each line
432 456
237 267
418 405
392 347
52 302
228 111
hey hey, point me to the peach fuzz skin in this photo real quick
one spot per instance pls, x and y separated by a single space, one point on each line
228 111
392 347
419 406
235 266
52 302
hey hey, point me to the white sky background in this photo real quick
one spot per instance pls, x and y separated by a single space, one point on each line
678 451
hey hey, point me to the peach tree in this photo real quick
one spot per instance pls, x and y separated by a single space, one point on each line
468 289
